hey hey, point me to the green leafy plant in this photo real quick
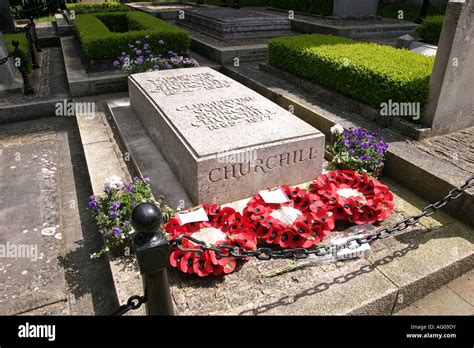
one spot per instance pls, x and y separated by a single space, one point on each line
430 29
97 7
21 38
102 35
367 72
319 7
357 149
139 57
112 210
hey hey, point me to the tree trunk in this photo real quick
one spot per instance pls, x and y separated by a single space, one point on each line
6 20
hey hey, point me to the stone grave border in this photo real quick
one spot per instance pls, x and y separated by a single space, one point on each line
385 299
166 14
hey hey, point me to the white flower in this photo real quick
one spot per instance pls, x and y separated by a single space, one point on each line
114 182
337 129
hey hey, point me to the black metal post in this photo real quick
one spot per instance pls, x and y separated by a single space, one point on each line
152 251
31 48
223 3
236 4
34 34
423 12
19 57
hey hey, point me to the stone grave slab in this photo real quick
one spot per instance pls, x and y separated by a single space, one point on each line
228 23
223 140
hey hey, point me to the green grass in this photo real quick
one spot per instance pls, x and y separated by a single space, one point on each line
409 12
97 7
106 35
368 72
20 37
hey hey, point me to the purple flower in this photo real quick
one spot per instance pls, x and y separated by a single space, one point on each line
137 179
106 188
140 60
93 205
113 213
146 46
156 67
161 42
147 180
116 63
116 231
131 46
169 66
123 53
138 52
131 188
122 59
115 204
138 42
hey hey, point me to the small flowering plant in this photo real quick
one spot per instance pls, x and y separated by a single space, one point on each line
357 149
143 56
112 210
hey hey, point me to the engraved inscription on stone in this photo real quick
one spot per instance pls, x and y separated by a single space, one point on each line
179 84
226 113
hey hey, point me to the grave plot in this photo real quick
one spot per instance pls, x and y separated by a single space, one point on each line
94 57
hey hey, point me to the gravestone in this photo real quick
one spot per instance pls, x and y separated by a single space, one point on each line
355 8
228 23
223 141
451 101
8 82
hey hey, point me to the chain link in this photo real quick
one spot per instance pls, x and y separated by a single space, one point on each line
4 60
264 254
134 302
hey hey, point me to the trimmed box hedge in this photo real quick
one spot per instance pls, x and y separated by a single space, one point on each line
368 72
430 29
96 7
319 7
106 35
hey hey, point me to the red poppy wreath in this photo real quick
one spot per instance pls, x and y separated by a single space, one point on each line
353 196
300 222
225 226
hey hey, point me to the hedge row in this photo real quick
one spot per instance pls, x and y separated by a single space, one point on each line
96 7
242 3
365 71
319 7
430 29
106 35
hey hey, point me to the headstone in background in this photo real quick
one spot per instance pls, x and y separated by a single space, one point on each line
451 101
6 19
223 140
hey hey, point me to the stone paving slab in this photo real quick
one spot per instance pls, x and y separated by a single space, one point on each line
455 298
29 217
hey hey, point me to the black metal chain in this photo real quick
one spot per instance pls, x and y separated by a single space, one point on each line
134 302
4 60
223 250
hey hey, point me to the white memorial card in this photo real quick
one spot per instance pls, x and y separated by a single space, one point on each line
197 214
274 196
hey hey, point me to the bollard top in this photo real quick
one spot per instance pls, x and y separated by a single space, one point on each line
146 218
15 43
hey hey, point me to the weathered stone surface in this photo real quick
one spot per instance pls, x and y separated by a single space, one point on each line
228 23
7 70
223 140
451 106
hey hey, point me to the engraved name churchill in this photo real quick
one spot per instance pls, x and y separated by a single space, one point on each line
273 162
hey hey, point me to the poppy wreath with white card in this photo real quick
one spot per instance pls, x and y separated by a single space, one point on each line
355 197
216 226
283 216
